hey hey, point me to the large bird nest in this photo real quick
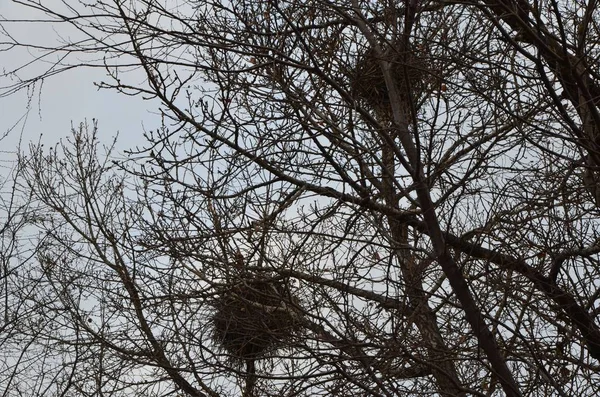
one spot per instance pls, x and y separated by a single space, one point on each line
254 316
409 70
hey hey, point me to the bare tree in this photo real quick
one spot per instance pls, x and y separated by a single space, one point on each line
349 198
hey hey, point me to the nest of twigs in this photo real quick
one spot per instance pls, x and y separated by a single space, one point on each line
254 316
409 69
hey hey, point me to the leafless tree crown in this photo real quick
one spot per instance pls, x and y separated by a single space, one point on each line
351 198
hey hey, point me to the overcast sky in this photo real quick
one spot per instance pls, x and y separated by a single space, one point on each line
66 99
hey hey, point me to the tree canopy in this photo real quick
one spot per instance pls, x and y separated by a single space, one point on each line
370 198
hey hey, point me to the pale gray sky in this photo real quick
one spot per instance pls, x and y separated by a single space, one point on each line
66 98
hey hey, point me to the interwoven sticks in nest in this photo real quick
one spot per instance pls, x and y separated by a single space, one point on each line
409 72
254 317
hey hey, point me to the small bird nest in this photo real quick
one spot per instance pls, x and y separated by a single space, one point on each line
253 317
408 68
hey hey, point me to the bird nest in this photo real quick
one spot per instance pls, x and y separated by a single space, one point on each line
408 69
253 317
